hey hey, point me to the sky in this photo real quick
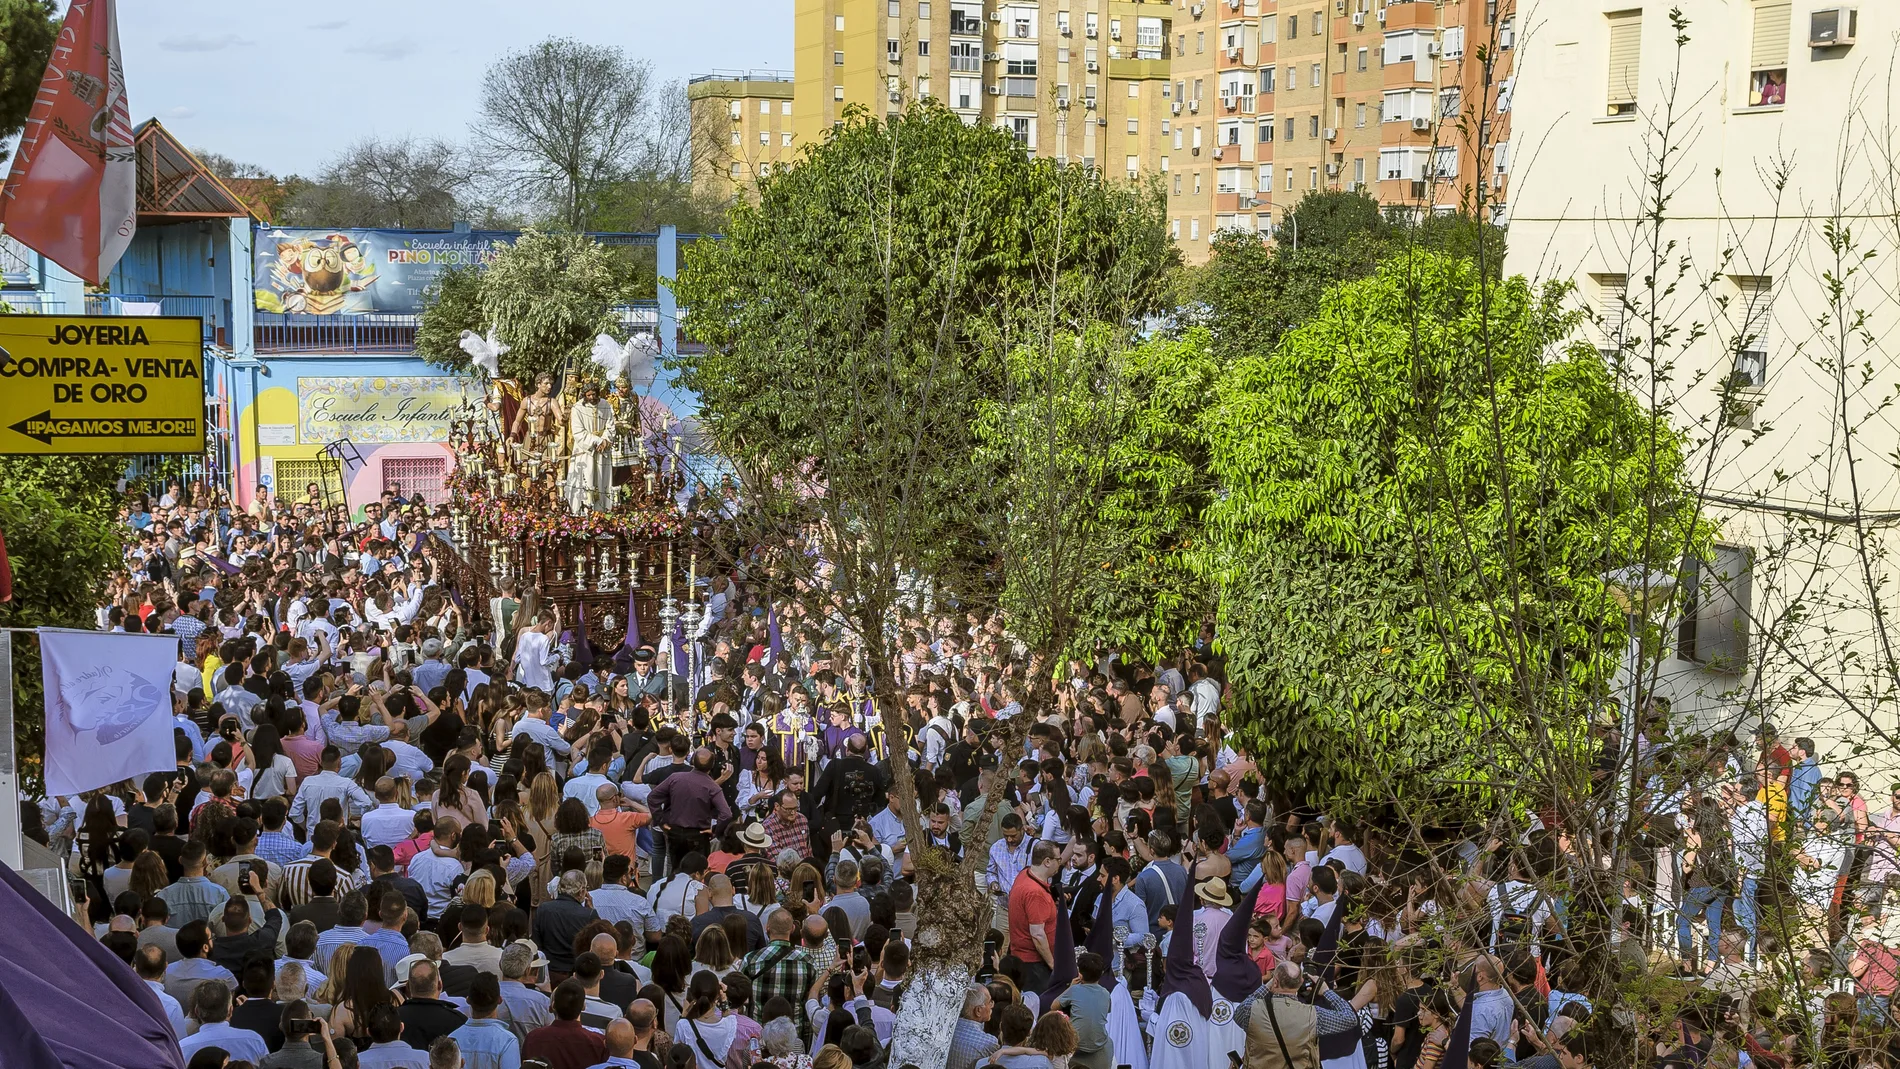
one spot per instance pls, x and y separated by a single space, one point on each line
286 86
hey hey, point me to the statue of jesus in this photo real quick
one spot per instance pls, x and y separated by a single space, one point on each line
590 464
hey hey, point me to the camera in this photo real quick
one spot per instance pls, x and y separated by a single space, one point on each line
306 1027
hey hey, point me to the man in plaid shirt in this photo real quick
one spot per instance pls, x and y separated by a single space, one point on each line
788 827
781 968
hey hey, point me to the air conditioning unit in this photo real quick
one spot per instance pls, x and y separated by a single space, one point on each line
1833 27
1421 123
1091 33
1339 7
1227 102
1332 133
1382 16
1359 20
1197 150
1068 31
1093 66
996 90
1101 122
1062 103
992 57
1197 9
1432 48
1089 103
1114 35
1250 202
1177 107
1233 5
1233 53
1332 170
1194 107
897 98
996 16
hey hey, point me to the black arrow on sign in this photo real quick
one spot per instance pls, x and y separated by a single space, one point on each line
40 430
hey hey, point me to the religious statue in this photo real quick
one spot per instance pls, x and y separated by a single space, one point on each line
538 419
590 464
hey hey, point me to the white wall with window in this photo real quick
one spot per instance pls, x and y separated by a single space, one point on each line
1405 163
966 93
966 17
1445 161
1234 180
1237 86
1404 105
1150 43
1409 46
1019 23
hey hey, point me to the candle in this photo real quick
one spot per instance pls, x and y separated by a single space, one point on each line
692 574
649 483
669 570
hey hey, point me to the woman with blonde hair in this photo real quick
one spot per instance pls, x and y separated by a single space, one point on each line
713 952
332 987
544 801
831 1056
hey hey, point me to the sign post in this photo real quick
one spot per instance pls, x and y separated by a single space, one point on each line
11 846
102 384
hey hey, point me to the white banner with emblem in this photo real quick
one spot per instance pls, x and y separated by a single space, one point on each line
108 707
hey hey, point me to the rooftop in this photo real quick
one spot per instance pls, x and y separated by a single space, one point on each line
754 75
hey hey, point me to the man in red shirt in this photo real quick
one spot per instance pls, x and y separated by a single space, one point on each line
565 1043
1032 916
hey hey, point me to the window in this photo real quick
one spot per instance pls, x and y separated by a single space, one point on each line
735 137
1612 301
1023 129
837 92
1292 27
1233 134
735 109
1174 225
1504 96
1292 77
1768 56
1449 99
1134 90
765 137
1315 82
896 9
1149 40
1024 26
1359 171
1289 179
966 56
734 171
1114 29
1319 27
1266 178
1404 105
1266 130
1717 595
1177 192
1454 42
1750 308
923 86
1626 52
1134 165
1340 67
765 107
785 139
765 170
1266 79
1131 126
1402 163
1019 87
1090 23
893 51
419 476
1200 42
923 10
1445 161
1194 226
1197 137
1164 165
966 19
1020 60
1402 47
1360 115
1197 183
1231 180
785 108
965 92
1177 136
1290 128
1180 44
1312 126
923 47
1197 89
1164 127
1312 178
837 23
1362 58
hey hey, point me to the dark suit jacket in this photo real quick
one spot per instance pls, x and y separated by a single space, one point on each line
231 950
424 1020
619 986
321 912
556 923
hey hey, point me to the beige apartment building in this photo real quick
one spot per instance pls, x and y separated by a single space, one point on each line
1767 335
1238 107
741 128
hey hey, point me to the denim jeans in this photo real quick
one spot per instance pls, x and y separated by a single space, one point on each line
1695 902
1745 906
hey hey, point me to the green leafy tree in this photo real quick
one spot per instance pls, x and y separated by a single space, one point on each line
1422 493
548 296
27 31
63 540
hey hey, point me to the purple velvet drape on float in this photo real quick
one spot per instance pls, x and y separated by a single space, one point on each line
66 1001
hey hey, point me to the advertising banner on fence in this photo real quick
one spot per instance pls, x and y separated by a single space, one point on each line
108 707
361 272
379 409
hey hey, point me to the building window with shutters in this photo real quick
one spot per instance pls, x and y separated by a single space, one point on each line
1749 309
1612 307
1768 54
1717 598
1626 53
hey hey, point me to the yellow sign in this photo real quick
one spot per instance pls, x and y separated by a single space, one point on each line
101 384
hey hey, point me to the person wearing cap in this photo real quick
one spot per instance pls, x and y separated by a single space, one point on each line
1216 910
646 677
433 670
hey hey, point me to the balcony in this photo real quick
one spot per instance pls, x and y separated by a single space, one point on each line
381 333
209 309
1139 69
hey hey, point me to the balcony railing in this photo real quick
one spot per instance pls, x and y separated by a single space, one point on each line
208 309
381 332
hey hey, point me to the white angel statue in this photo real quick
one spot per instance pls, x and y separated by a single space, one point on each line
485 352
634 358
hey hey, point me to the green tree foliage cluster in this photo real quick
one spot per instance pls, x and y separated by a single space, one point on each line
27 31
63 540
547 296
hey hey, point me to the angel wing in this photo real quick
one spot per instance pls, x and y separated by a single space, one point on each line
643 351
485 352
611 356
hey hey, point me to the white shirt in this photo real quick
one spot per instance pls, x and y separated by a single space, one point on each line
436 873
1348 855
544 733
388 824
672 898
239 1043
583 788
534 661
173 1011
410 760
615 903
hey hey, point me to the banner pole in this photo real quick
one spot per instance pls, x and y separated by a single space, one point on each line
11 846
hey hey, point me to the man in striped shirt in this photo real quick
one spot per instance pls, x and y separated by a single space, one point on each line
297 874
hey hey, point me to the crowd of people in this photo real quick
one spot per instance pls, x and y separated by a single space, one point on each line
408 829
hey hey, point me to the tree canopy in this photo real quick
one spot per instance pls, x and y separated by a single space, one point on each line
27 31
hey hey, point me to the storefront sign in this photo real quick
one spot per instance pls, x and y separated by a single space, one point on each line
359 272
101 384
377 410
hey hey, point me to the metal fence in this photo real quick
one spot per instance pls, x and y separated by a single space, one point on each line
283 332
209 309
